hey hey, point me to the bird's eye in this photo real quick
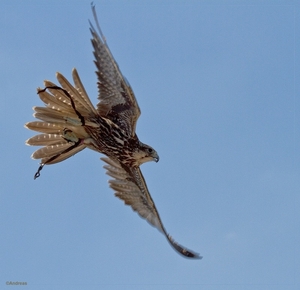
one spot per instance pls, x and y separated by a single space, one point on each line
150 150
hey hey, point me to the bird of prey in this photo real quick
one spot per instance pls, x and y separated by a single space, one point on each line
69 123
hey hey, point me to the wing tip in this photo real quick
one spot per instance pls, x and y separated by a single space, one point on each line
186 253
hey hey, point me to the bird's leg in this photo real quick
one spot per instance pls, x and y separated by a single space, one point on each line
70 136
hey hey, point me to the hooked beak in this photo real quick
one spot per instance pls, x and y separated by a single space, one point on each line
156 158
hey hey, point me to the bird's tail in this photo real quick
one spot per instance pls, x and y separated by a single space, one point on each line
67 109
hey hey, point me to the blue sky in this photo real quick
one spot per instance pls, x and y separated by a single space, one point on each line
218 86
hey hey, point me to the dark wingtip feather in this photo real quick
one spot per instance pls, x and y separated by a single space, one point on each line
182 250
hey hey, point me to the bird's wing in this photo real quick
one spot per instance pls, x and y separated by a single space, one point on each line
130 186
116 98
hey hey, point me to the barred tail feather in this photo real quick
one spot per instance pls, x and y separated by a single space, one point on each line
63 154
44 140
44 127
80 88
56 100
68 109
59 95
78 96
51 115
56 147
50 150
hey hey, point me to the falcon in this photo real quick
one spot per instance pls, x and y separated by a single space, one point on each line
70 123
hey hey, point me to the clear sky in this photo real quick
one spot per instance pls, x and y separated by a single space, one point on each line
218 86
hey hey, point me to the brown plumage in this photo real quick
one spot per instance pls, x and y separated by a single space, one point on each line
69 123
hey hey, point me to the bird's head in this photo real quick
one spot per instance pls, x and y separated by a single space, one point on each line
145 153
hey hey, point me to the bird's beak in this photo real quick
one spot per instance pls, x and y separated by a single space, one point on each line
156 158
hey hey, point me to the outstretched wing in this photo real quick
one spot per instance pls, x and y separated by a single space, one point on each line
117 100
131 187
